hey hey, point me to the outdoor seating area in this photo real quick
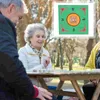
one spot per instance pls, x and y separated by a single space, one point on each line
50 50
71 76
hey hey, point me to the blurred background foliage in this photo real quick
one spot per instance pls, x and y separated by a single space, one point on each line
63 51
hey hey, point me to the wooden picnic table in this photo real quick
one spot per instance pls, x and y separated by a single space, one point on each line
73 77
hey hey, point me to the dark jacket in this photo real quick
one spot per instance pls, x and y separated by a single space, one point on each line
97 60
14 81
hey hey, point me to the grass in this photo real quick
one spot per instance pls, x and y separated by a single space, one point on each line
75 67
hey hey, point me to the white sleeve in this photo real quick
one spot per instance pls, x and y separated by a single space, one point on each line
50 65
37 67
23 58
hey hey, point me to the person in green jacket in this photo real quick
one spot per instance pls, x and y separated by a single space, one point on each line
89 88
91 61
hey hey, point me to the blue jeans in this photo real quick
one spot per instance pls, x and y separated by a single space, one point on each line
54 88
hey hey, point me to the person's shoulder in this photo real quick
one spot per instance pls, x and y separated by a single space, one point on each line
22 49
2 19
96 47
98 44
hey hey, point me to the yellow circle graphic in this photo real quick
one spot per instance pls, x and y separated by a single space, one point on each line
73 19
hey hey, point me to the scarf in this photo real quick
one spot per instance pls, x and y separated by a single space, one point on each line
38 52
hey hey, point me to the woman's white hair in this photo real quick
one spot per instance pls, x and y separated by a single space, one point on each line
18 3
31 29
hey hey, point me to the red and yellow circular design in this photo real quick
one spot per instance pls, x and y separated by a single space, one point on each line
73 19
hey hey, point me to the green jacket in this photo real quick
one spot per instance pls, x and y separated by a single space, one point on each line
91 61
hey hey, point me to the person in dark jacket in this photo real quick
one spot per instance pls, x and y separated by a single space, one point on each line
14 82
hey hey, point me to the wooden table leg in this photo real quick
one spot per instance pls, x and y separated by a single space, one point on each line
60 85
42 82
78 90
44 85
97 92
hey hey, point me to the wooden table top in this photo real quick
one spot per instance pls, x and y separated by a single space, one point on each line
87 74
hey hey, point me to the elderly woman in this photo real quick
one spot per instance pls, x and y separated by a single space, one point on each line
33 55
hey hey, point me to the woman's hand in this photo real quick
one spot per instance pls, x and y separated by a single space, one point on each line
46 62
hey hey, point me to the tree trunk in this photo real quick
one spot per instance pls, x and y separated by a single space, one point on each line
61 54
27 19
57 62
70 64
89 48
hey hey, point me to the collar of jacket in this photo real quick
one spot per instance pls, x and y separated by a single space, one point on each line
7 26
29 49
31 52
